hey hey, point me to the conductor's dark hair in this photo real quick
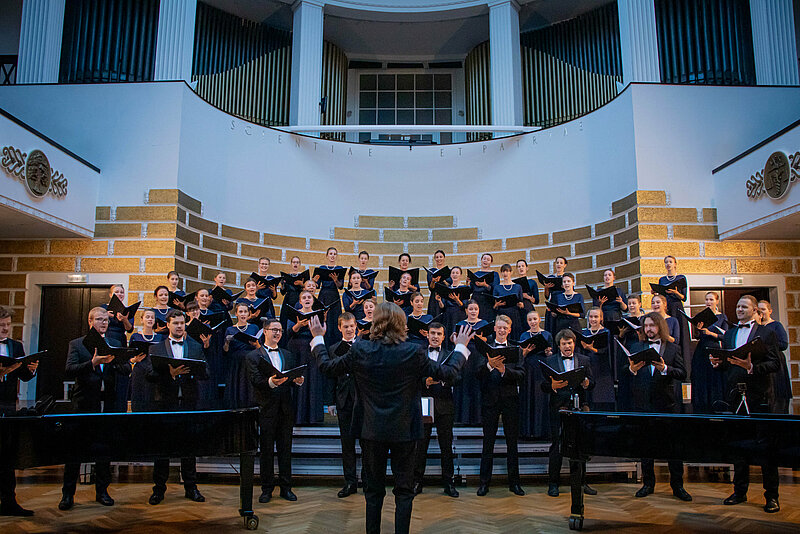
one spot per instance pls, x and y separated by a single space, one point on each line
4 312
363 253
505 267
440 251
173 313
565 334
406 254
388 324
159 288
436 325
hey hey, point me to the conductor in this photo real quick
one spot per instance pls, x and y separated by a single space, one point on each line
387 415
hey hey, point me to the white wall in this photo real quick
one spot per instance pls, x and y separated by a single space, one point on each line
161 135
75 211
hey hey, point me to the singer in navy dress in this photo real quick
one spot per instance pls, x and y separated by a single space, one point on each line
534 403
530 297
568 297
659 305
355 289
418 313
451 306
366 273
239 391
467 392
506 288
708 386
434 308
329 296
311 396
140 387
550 292
482 291
601 398
675 299
224 305
781 382
291 293
252 299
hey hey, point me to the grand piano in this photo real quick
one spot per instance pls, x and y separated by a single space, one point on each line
33 441
691 438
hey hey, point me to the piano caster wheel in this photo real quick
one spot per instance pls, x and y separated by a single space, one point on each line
576 523
251 522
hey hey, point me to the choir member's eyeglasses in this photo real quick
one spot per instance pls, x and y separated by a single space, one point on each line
276 330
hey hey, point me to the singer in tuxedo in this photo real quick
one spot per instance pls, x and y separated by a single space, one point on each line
341 398
10 377
500 396
176 389
754 378
95 392
387 415
275 398
653 391
561 398
443 414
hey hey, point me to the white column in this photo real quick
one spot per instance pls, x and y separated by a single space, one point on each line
306 88
505 63
638 41
175 40
41 29
774 45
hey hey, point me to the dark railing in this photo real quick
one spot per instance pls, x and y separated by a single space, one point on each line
8 69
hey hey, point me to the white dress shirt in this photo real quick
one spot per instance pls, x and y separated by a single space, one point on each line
742 333
569 363
177 350
275 359
319 340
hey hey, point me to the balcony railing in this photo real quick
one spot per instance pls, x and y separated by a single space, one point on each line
8 70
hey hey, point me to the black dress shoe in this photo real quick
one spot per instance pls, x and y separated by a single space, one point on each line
644 491
516 489
451 490
417 489
104 499
483 489
771 507
347 491
67 501
735 498
288 495
682 494
193 494
14 509
588 490
266 496
155 498
552 490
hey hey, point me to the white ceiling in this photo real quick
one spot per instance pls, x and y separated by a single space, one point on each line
19 225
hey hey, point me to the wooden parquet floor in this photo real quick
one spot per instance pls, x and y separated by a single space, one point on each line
318 510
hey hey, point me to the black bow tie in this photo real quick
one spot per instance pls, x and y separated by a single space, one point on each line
566 357
273 350
176 342
434 349
4 341
658 342
745 325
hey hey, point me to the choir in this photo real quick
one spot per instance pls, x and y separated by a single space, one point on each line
524 367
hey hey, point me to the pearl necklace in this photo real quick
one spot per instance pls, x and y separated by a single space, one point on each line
671 278
594 332
509 286
152 337
239 328
569 297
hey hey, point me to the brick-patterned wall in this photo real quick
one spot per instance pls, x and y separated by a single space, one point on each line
169 232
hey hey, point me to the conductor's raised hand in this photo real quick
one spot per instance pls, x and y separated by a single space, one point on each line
464 335
316 327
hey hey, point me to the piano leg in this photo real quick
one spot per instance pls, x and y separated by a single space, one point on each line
576 477
246 468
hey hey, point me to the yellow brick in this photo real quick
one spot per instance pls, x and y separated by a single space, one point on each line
79 246
667 214
357 234
550 253
190 203
651 231
146 247
733 248
117 230
53 264
689 266
530 241
309 259
378 248
239 234
658 198
778 248
5 263
573 234
606 227
623 204
709 215
441 221
342 247
764 266
110 265
142 282
479 247
454 234
23 247
629 235
405 235
161 229
159 265
429 248
283 241
102 213
163 196
379 221
12 281
700 231
255 251
669 248
147 213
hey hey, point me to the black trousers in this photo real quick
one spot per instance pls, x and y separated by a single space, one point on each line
508 407
102 477
161 474
444 434
556 459
276 435
348 447
374 455
675 473
8 483
741 479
